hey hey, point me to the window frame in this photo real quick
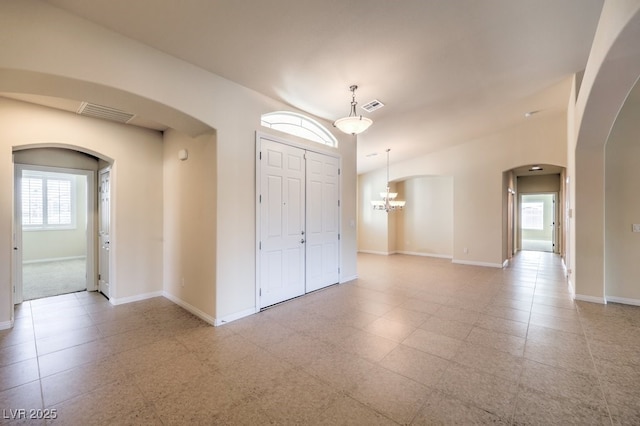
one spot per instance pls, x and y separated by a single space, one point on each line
307 127
45 177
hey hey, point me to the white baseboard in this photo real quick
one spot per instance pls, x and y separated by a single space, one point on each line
592 299
54 259
505 263
623 300
474 263
6 325
382 253
195 311
419 253
347 279
236 316
136 298
572 289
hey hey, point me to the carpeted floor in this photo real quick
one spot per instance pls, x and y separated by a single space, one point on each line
45 279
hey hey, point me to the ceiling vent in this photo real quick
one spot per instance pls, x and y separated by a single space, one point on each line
105 113
372 106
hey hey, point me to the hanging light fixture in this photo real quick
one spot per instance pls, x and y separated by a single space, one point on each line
388 202
353 124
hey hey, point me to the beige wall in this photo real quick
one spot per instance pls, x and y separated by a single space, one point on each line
110 69
189 206
477 170
612 70
622 207
425 226
137 183
373 225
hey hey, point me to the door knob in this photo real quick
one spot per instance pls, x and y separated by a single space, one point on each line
302 241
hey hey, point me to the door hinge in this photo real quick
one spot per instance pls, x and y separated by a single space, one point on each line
260 198
338 171
260 155
338 203
260 245
99 277
338 270
338 237
260 292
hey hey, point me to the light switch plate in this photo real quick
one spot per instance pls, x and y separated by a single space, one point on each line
636 227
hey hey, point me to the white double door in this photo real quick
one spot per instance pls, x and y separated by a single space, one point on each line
299 216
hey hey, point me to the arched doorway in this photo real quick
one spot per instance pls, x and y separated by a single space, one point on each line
55 227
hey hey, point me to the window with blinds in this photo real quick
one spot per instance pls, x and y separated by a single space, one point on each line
48 200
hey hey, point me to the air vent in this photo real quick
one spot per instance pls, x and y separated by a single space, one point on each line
372 106
103 112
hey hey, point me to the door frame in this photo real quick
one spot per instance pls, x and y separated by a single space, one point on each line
307 147
555 246
101 171
91 269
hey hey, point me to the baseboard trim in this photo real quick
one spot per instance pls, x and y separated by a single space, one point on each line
623 300
347 279
236 316
381 253
591 299
6 325
572 289
418 253
53 259
474 263
506 263
189 307
136 298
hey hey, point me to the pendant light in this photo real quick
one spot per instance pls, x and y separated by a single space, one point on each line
388 202
353 124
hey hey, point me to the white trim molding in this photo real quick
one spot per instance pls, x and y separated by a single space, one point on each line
6 325
236 316
380 253
418 253
623 300
592 299
195 311
136 298
474 263
347 279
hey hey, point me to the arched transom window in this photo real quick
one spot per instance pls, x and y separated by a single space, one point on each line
299 125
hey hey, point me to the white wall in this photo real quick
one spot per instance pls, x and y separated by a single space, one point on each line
110 69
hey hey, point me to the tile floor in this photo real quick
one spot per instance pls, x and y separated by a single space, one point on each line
413 341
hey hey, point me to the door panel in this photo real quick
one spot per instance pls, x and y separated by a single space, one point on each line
282 254
104 225
323 213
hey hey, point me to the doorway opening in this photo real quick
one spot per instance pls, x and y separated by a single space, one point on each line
538 222
53 232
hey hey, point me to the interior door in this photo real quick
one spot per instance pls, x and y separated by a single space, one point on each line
104 225
322 215
282 222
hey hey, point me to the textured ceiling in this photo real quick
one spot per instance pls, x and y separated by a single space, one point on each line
448 71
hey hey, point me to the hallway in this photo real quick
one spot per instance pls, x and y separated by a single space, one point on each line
414 340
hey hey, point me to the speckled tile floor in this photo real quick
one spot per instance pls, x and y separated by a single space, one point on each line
413 341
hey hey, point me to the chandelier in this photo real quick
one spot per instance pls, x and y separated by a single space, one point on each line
388 202
353 124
